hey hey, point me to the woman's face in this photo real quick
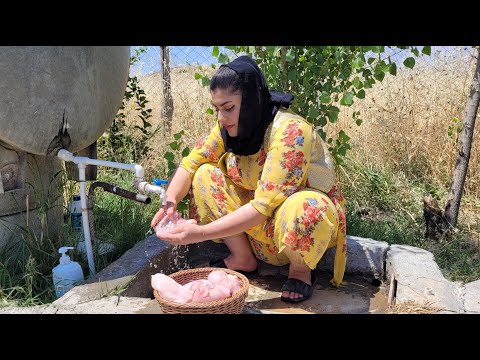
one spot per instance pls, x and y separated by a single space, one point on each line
227 106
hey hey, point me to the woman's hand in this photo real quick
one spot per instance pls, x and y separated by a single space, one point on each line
183 234
168 211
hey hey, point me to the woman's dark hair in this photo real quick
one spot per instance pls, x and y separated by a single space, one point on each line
226 79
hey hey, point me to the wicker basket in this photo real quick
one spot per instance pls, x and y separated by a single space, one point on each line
231 305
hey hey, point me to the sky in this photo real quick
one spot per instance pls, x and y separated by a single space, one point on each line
202 55
179 56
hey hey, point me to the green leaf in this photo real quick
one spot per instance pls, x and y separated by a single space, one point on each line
427 50
215 51
322 121
358 122
198 76
174 145
347 99
210 111
356 82
177 136
223 59
342 150
343 136
409 62
361 94
292 75
313 113
333 114
290 55
393 69
205 81
370 60
368 83
379 76
169 156
185 152
325 98
415 51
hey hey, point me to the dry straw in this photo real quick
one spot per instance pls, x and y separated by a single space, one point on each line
231 305
411 307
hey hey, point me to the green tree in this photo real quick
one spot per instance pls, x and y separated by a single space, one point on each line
324 78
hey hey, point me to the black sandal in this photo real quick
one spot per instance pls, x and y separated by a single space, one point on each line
220 263
299 287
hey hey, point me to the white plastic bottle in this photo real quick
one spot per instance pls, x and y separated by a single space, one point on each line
67 274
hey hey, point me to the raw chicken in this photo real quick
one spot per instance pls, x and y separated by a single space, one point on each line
220 277
204 291
219 285
170 289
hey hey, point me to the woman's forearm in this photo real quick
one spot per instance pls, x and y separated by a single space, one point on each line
179 185
234 223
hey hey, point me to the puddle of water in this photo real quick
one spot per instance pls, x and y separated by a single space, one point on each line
355 296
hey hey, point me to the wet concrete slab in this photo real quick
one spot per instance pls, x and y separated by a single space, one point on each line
359 294
356 296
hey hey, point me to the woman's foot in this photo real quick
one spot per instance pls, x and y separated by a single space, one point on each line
248 264
302 273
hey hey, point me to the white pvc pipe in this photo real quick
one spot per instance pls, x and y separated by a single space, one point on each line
142 186
86 228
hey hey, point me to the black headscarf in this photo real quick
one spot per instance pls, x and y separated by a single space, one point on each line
258 108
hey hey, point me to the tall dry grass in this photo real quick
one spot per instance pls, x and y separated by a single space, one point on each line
190 102
406 125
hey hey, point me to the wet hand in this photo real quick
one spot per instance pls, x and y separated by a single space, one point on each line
168 211
184 234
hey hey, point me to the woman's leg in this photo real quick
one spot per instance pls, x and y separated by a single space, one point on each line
297 270
241 256
212 196
305 226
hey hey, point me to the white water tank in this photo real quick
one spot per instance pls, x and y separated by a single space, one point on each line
49 91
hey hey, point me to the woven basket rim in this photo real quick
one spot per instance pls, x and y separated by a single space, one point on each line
238 296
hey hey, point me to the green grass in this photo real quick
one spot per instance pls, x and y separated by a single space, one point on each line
388 207
26 266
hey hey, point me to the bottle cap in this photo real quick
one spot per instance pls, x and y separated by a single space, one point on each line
159 182
65 259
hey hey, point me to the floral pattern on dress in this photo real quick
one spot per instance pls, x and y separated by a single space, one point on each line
293 135
293 162
262 157
233 170
274 182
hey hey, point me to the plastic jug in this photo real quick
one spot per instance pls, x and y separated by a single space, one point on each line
67 274
76 213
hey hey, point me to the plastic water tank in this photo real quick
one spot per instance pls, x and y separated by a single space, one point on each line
49 92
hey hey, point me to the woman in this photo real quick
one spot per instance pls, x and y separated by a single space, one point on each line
263 182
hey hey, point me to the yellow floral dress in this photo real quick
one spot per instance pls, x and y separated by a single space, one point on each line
305 210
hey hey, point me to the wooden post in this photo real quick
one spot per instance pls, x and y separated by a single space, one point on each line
167 109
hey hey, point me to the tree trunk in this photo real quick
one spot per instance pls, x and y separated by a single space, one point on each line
464 146
167 110
283 67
